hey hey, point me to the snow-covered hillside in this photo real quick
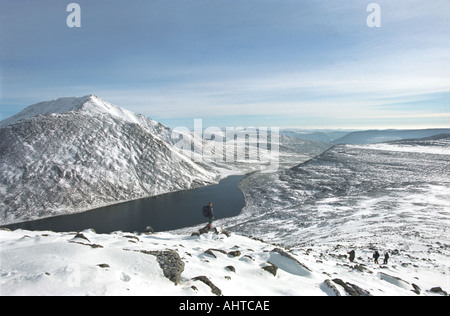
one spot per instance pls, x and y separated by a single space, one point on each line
389 197
385 193
74 154
47 263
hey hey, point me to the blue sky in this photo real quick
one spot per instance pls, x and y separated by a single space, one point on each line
303 63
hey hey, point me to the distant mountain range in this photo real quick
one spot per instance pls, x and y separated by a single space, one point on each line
326 136
382 136
364 137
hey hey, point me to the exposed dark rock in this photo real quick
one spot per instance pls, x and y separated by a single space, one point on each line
352 289
80 235
219 250
103 265
215 230
204 230
230 268
235 253
416 289
272 268
170 262
214 289
438 290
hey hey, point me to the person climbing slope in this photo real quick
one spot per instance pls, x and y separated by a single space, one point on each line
386 258
375 256
352 255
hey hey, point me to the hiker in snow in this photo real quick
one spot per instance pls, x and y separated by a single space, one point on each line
352 255
386 258
376 255
208 212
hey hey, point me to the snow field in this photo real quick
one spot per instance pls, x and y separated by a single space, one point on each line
48 263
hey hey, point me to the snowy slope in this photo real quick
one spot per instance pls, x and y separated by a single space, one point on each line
47 263
389 197
90 153
402 185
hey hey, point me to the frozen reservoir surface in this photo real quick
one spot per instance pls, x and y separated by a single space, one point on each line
164 212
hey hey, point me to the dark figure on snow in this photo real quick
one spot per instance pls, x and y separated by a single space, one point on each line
386 258
208 212
352 255
376 255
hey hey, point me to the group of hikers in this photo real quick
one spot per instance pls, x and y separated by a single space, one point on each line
375 256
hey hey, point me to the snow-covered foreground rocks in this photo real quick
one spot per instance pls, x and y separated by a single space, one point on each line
214 263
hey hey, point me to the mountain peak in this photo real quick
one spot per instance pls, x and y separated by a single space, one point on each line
89 104
58 106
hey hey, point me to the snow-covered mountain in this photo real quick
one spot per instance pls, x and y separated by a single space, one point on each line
73 154
89 105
